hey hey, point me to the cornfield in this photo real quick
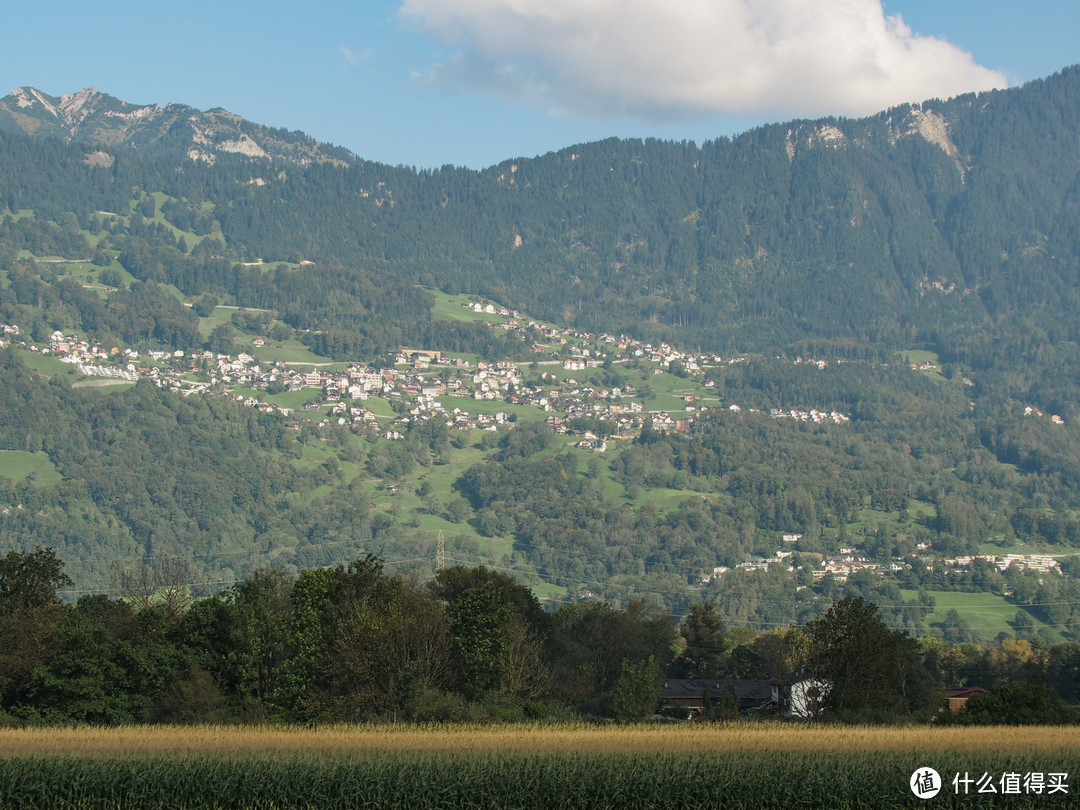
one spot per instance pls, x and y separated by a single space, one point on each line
527 767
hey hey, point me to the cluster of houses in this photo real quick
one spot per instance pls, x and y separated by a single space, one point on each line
1030 411
490 309
1043 563
848 562
72 349
563 400
412 380
615 348
340 395
691 699
840 567
816 416
126 373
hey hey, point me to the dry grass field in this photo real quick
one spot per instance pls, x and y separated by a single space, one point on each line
278 741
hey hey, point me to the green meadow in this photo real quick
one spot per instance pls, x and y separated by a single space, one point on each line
19 465
987 613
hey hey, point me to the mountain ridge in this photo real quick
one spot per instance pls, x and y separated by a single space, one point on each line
95 118
176 131
906 228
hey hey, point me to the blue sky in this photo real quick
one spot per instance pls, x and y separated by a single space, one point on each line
474 82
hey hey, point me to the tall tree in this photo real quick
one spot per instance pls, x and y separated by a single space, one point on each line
865 670
30 615
636 695
363 643
706 644
481 631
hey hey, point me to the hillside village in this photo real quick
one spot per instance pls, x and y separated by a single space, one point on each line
848 562
418 378
415 381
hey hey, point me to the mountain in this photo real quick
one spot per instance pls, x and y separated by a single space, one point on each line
947 226
174 131
798 268
938 226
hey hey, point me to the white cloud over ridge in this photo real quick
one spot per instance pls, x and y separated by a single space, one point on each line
659 58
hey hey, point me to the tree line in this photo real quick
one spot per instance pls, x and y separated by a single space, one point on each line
353 643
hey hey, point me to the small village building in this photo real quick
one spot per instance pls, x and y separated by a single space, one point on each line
695 694
958 698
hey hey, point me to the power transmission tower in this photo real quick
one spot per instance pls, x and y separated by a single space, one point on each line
440 553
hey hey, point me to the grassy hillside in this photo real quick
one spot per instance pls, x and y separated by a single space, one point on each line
35 467
989 615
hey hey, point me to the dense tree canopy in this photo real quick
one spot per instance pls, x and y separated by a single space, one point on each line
862 669
354 643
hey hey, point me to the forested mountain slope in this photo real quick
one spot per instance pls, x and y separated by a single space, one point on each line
947 228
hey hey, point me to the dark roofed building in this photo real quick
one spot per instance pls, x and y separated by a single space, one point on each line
691 694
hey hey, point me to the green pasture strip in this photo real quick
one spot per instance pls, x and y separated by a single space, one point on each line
80 270
920 510
491 407
872 518
190 237
671 384
666 499
314 455
102 385
668 391
46 364
289 351
920 356
452 308
219 316
287 399
449 308
989 614
441 477
18 464
491 779
380 406
543 590
464 546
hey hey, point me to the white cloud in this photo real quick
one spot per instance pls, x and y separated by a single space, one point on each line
685 57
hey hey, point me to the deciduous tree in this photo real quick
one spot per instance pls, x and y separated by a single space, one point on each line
865 671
